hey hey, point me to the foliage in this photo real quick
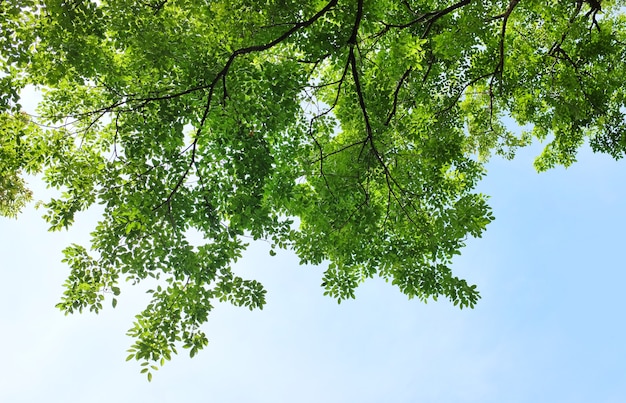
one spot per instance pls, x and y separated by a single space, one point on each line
351 132
16 155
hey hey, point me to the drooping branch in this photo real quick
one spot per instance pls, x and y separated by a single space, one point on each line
389 179
221 75
505 18
395 95
565 56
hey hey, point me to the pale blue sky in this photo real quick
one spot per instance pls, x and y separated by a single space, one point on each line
549 327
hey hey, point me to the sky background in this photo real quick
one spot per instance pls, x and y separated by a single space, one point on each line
549 328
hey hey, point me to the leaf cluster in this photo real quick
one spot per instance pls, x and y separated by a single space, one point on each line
351 132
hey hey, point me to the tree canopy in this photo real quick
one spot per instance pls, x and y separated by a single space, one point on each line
353 133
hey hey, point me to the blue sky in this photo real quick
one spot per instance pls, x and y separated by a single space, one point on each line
549 327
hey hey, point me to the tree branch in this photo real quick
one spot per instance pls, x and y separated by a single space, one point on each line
505 18
395 95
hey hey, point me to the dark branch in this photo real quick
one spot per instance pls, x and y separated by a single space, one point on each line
429 18
395 95
505 18
441 13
